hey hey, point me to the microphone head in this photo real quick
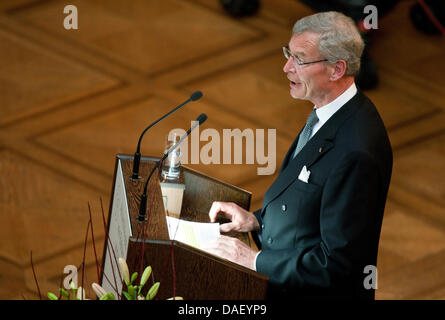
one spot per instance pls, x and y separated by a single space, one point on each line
201 118
196 95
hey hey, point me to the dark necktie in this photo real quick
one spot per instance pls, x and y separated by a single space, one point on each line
306 133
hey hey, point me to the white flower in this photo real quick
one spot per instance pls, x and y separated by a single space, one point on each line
100 292
176 298
124 271
81 294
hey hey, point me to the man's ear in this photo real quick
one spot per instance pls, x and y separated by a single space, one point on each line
339 70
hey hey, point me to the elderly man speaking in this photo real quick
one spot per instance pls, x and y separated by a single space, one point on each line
320 223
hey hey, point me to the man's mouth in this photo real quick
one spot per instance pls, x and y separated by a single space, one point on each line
293 83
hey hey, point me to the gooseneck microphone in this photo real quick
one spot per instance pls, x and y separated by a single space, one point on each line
143 205
137 155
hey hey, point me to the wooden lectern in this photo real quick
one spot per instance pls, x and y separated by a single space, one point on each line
182 270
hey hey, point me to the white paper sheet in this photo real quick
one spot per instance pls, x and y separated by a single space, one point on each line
194 234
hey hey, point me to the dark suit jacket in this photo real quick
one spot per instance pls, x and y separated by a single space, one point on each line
317 237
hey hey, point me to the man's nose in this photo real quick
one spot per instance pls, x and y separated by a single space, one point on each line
289 66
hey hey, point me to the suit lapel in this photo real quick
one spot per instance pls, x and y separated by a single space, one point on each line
316 147
312 151
290 153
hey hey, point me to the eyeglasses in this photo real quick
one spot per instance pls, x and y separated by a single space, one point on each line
297 61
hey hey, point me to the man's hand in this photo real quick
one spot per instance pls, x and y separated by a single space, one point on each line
233 250
241 220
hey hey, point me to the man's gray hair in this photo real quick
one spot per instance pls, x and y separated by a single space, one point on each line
339 38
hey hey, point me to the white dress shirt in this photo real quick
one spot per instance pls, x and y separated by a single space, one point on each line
328 110
325 112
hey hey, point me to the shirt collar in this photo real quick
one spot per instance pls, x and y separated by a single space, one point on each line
326 111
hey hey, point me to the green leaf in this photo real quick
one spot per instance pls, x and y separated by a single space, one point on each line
64 293
73 289
111 295
153 291
108 296
133 277
52 296
127 295
132 291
